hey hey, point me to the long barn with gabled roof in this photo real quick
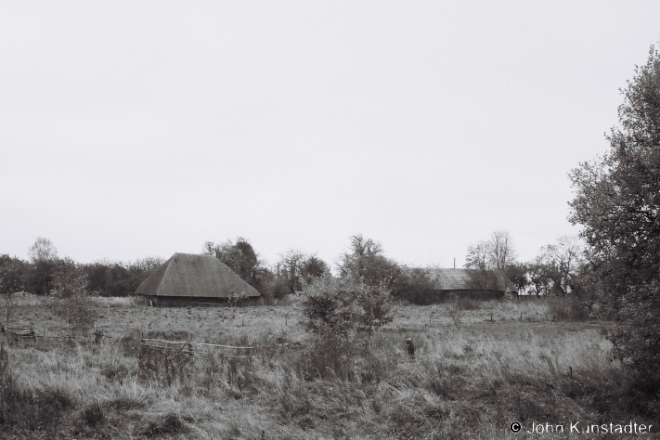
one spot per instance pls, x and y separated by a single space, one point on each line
190 279
472 283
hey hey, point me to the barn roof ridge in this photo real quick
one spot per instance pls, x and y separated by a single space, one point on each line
471 279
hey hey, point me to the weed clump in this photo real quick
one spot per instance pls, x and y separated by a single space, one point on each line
464 303
170 424
31 410
569 308
93 415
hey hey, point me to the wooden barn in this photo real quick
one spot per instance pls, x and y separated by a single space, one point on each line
472 283
190 279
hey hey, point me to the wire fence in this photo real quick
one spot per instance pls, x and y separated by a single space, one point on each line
23 335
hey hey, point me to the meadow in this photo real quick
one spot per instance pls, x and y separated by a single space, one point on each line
478 367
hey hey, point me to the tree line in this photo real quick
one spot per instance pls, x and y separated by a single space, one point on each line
45 273
558 270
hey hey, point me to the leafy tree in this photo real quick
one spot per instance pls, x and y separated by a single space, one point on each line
366 263
617 202
119 279
415 285
241 258
39 276
69 279
296 269
518 274
617 197
42 250
12 275
312 268
289 270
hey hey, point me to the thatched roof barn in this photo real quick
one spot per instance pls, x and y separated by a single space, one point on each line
194 279
472 283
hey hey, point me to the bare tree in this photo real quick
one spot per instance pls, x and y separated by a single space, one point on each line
496 253
562 262
502 250
478 256
42 250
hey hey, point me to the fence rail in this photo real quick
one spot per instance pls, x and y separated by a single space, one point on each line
23 334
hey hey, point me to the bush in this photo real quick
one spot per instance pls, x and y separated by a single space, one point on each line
463 303
569 308
12 275
93 415
416 286
341 306
116 279
32 410
638 343
342 315
171 424
78 311
39 277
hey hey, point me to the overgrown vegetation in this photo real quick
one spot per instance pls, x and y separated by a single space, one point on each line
617 203
468 380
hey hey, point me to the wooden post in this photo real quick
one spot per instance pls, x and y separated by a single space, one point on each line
571 370
521 316
491 317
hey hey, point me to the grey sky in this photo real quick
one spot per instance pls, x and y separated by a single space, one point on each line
131 129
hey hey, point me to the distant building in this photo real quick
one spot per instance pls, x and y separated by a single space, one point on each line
472 283
190 279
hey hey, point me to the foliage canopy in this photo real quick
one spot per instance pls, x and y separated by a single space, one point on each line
617 202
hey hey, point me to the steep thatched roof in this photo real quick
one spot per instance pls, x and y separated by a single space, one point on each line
195 276
472 279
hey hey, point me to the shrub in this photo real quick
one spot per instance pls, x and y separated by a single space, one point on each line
341 306
71 301
32 410
569 308
78 311
93 415
416 286
171 424
638 343
341 314
463 303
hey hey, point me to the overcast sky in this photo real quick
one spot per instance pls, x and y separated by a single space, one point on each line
134 129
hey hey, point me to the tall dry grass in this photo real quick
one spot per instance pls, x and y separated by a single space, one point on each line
470 377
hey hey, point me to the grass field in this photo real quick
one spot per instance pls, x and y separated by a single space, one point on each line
478 368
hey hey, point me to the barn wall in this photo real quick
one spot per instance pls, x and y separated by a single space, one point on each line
482 295
184 301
